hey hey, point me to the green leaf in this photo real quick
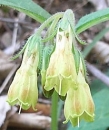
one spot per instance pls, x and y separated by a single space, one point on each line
28 7
87 50
92 19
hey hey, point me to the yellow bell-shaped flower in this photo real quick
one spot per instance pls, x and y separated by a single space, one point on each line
23 90
79 103
61 72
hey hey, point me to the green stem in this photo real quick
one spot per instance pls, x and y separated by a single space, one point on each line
60 107
48 21
54 112
50 37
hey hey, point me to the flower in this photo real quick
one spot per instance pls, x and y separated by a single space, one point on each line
23 90
79 103
61 72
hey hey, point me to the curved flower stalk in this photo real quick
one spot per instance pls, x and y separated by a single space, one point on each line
23 90
79 103
61 72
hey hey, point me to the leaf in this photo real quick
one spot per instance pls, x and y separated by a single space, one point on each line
92 19
28 7
101 98
97 85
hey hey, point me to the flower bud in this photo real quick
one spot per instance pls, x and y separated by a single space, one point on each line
45 61
23 90
79 103
61 72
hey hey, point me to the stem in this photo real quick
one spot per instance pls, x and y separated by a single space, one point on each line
54 112
50 37
49 20
60 107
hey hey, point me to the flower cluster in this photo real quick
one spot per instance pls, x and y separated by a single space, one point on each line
62 70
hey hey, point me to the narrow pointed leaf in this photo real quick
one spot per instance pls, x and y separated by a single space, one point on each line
28 7
92 19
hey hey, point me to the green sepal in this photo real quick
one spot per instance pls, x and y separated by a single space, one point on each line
45 62
19 53
84 65
48 94
77 58
40 53
63 24
47 51
51 32
71 19
50 37
33 43
62 97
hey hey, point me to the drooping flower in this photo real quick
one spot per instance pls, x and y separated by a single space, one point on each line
23 90
61 72
79 103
